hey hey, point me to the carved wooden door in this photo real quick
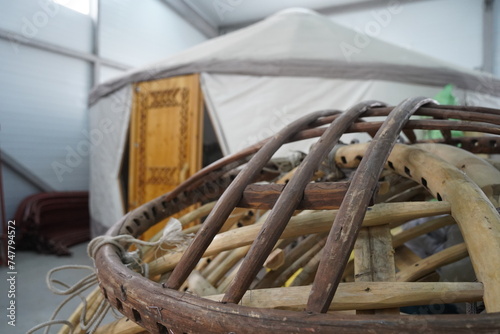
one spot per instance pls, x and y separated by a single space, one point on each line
165 137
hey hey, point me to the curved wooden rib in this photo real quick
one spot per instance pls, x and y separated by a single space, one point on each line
231 197
477 218
288 201
346 225
486 176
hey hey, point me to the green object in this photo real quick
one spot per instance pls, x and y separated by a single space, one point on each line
446 97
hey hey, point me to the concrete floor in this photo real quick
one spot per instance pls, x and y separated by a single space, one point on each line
34 302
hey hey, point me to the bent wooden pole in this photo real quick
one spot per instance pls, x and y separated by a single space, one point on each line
474 213
288 201
485 175
346 225
231 197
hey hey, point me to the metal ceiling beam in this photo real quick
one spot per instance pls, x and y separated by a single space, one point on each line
17 39
488 36
360 5
95 15
192 17
24 172
330 10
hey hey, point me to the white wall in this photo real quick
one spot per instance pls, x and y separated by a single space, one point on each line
44 113
446 29
43 94
46 21
108 73
17 188
137 32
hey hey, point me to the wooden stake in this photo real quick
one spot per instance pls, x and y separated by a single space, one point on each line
424 228
121 326
292 255
275 260
226 265
431 263
306 276
94 297
365 295
309 222
198 285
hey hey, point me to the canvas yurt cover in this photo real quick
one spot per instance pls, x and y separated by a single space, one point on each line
251 83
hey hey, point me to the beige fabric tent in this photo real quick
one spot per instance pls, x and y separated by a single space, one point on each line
257 79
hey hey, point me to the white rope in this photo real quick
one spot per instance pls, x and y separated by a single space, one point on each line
172 240
79 286
71 291
97 317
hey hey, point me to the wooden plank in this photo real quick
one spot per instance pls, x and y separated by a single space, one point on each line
165 138
363 268
374 259
384 269
383 254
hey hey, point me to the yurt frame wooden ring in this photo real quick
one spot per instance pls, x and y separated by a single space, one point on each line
160 308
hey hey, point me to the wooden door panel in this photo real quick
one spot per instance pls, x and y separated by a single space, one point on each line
165 137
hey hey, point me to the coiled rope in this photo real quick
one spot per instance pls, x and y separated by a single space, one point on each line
172 240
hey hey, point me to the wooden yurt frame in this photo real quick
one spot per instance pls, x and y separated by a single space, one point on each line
166 308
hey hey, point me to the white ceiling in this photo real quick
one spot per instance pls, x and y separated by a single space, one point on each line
221 13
